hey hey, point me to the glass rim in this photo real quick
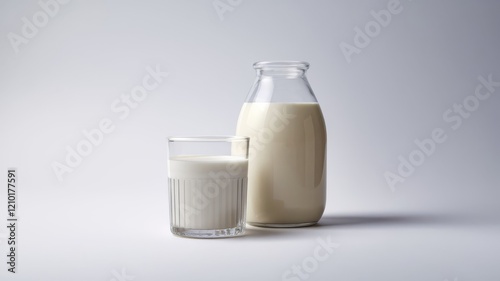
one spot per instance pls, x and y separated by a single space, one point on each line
281 65
214 138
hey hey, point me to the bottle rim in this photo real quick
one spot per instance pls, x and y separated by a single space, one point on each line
281 65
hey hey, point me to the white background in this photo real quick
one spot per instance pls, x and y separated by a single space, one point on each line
108 218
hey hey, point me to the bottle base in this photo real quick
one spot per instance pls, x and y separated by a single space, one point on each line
282 225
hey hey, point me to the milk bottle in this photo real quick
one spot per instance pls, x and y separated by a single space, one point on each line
287 153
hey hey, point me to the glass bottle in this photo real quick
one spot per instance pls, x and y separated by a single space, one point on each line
287 153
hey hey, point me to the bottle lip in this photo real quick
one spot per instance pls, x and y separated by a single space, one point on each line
281 65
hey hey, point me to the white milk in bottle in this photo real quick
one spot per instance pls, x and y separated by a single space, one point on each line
287 153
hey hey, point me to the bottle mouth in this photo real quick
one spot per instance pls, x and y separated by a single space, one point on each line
281 65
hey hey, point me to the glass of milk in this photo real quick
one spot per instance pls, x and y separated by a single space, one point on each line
207 185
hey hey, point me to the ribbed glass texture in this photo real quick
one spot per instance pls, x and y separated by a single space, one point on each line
207 207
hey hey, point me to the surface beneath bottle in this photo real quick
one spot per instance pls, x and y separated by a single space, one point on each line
282 225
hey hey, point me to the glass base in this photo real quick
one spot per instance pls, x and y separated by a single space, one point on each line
208 233
282 225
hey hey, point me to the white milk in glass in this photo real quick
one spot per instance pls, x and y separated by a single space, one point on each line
207 192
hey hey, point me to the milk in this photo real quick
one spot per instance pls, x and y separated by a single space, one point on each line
287 162
207 192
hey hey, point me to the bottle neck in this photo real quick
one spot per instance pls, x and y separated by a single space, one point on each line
281 69
281 73
281 88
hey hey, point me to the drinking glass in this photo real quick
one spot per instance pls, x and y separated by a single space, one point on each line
207 178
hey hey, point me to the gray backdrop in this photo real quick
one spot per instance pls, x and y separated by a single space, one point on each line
409 85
